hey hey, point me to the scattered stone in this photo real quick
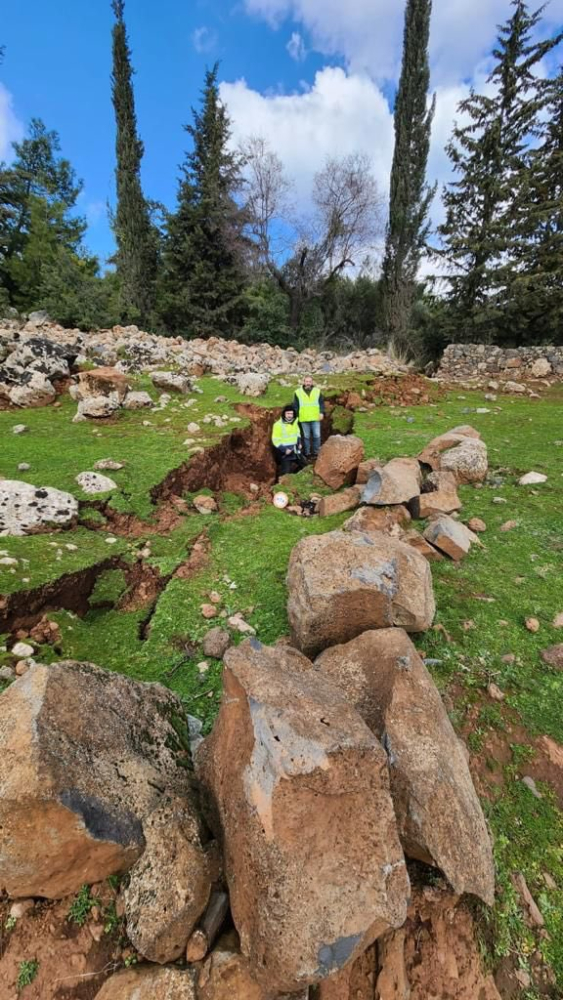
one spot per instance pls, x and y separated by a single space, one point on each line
226 975
193 428
375 581
8 561
500 500
108 465
339 459
431 455
288 763
27 509
22 649
558 620
532 624
19 909
468 461
508 526
172 381
137 401
528 900
20 429
149 983
96 407
438 812
419 544
93 482
368 519
205 505
240 625
216 643
110 540
396 483
338 503
495 693
209 611
170 884
68 817
477 525
250 383
450 537
532 479
6 674
530 783
515 387
554 656
24 467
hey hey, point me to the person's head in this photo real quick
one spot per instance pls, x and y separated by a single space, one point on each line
308 382
288 414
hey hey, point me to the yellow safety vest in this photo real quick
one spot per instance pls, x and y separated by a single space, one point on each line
309 408
285 435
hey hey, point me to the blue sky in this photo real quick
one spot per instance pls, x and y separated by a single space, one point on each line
314 77
57 67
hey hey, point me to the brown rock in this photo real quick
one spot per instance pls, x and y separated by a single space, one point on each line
532 624
205 505
431 454
495 693
558 620
149 983
288 763
101 382
508 526
377 519
553 655
338 503
366 470
84 754
226 974
216 643
356 982
450 536
477 525
392 981
209 611
169 885
438 813
339 459
436 502
468 461
342 583
419 543
397 482
522 889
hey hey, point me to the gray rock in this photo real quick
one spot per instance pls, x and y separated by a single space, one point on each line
171 380
27 509
137 401
93 482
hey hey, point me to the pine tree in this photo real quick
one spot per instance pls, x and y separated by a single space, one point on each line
136 256
204 275
483 230
410 196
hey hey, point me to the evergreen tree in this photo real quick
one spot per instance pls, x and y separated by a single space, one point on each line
136 256
204 274
410 196
483 230
38 193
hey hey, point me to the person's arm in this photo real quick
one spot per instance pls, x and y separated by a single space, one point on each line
322 404
296 404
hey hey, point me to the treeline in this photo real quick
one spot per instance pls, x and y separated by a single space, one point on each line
235 258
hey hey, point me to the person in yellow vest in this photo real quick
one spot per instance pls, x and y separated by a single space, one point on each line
310 407
286 439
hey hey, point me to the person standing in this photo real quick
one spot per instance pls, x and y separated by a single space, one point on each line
286 439
310 407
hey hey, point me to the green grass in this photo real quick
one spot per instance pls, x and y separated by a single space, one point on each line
27 972
81 906
482 603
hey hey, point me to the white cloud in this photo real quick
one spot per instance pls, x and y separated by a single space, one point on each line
296 47
204 40
341 113
368 33
11 128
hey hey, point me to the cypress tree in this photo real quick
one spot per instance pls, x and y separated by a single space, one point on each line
136 256
410 196
486 225
204 273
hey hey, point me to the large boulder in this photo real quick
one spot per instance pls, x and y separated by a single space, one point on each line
339 503
468 461
439 816
339 459
137 400
312 858
34 389
96 408
147 982
171 381
431 454
27 509
85 756
169 886
100 382
251 383
44 356
344 583
440 498
226 974
388 519
396 483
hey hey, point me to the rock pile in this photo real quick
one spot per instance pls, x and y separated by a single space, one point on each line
477 362
332 763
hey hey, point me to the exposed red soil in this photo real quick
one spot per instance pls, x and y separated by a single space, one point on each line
23 609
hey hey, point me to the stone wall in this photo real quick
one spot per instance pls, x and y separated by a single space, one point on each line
478 361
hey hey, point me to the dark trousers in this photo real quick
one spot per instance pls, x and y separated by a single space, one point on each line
290 463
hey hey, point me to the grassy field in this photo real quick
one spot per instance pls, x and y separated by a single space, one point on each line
483 603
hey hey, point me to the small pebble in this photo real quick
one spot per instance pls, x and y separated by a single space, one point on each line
532 624
22 650
24 467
